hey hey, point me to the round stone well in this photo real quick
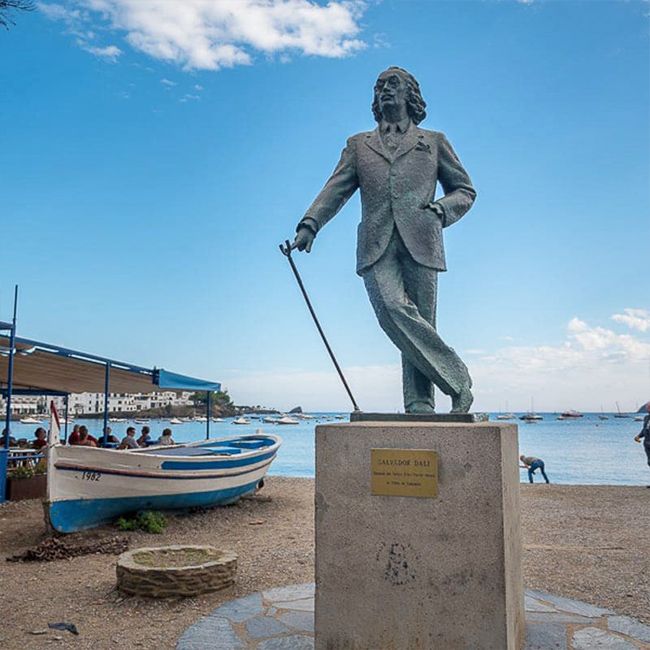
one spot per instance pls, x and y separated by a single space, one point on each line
166 571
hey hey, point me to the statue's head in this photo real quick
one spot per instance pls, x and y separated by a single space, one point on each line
396 85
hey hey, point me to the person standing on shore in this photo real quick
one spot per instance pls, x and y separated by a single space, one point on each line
645 434
531 464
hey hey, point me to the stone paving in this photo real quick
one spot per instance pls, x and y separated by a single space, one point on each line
283 619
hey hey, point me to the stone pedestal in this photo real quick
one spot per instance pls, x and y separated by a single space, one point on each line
425 573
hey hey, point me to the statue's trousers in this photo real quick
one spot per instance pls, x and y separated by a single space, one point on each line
403 294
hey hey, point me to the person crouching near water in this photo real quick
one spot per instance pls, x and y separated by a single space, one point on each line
166 438
531 464
645 434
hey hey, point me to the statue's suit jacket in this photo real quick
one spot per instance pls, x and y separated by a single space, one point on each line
396 192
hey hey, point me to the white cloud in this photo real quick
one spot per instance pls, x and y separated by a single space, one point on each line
168 82
110 52
76 24
214 34
198 87
58 12
188 97
637 319
592 366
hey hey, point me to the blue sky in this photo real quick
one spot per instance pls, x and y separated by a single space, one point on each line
153 155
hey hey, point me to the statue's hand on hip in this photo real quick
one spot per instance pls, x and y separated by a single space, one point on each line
437 210
304 239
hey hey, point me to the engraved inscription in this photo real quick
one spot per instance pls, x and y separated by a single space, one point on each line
404 472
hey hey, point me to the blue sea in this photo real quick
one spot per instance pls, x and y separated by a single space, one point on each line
584 450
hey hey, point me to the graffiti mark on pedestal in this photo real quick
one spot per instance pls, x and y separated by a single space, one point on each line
398 562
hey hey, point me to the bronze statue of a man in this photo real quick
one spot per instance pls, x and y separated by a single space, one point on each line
399 248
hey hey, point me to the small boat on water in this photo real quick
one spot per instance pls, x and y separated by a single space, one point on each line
270 420
571 414
286 420
176 421
30 420
618 413
241 420
89 486
200 419
506 416
531 417
217 419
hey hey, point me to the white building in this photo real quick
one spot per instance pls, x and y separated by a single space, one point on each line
91 403
25 405
87 403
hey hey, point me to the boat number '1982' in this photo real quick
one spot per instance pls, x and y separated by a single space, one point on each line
90 476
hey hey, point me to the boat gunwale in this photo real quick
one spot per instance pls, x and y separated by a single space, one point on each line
169 474
245 453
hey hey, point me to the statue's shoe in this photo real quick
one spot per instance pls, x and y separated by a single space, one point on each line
461 402
420 407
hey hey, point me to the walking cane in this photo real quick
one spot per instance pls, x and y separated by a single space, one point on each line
286 251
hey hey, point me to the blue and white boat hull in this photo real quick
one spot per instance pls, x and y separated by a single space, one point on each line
89 486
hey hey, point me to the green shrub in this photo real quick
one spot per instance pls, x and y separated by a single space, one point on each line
41 467
124 523
150 521
24 471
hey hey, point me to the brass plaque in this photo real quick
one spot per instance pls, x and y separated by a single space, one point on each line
404 472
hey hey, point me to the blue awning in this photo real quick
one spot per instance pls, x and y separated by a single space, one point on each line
174 381
42 367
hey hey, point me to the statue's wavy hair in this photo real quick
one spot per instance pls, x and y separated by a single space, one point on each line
415 105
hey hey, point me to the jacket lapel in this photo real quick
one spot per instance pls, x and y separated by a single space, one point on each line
374 142
409 141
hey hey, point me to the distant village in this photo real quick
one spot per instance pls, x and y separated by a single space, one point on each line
161 403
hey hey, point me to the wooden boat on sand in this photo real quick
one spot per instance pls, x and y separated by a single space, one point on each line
89 486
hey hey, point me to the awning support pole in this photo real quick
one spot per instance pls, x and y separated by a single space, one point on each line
10 369
65 429
209 408
107 381
4 462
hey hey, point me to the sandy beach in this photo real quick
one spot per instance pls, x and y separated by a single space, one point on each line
583 542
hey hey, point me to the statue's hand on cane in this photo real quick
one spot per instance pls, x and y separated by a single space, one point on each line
304 239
